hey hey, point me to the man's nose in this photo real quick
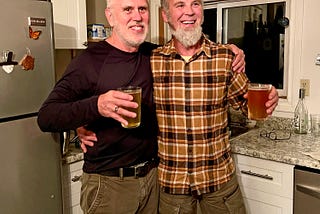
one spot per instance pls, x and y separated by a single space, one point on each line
136 15
189 10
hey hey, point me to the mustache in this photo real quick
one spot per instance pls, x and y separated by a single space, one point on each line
137 23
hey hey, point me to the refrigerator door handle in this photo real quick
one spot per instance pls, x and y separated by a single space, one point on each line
312 191
7 56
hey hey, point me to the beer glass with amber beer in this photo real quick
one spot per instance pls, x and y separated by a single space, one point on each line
257 98
135 91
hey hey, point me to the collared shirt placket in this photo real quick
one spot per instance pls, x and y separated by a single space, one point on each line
188 122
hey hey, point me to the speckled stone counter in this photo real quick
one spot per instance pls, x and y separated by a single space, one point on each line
73 155
294 151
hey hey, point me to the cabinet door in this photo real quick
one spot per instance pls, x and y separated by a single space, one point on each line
267 186
258 202
70 24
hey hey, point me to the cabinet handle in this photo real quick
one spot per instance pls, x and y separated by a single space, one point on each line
76 178
85 44
256 174
309 190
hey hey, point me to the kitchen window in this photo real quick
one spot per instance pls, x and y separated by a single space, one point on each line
259 28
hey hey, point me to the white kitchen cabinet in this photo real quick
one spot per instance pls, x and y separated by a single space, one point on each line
70 24
267 186
72 187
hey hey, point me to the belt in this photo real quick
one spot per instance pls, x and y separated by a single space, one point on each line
139 170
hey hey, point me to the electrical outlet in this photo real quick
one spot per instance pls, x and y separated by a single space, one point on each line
305 84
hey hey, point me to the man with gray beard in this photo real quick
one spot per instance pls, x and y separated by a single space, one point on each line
120 165
193 87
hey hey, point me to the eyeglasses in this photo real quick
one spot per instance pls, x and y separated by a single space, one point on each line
276 134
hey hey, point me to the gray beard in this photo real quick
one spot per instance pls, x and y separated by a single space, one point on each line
129 39
187 38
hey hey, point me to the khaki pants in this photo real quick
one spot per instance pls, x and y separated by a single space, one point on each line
227 200
105 194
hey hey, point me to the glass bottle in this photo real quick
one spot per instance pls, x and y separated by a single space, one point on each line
301 115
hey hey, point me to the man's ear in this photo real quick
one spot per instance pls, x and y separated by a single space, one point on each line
164 16
109 17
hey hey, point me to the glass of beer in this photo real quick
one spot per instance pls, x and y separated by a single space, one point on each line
135 91
257 98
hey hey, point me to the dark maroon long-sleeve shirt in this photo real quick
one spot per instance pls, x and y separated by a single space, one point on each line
73 103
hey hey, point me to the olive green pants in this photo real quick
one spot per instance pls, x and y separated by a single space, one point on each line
112 195
227 200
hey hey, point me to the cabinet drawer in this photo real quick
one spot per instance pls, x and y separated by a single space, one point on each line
73 190
72 187
71 177
265 176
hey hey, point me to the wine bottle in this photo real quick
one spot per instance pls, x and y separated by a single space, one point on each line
301 115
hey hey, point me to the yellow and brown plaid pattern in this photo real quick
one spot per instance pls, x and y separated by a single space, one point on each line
192 100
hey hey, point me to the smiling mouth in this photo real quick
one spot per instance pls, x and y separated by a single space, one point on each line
137 27
188 22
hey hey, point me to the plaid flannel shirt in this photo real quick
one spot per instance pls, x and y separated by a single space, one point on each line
192 101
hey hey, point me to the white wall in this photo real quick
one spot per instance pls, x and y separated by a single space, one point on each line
309 50
304 45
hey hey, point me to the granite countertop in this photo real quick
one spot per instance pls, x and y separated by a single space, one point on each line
300 149
295 151
74 154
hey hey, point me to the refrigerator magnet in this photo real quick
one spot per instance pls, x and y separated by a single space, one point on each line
8 65
34 34
27 62
8 68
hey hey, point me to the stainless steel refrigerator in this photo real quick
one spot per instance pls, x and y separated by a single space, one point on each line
30 163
